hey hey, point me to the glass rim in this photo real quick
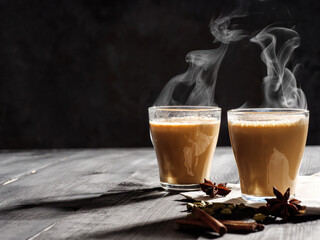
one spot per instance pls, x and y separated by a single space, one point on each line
184 108
268 110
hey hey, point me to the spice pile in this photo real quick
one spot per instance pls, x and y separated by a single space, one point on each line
223 218
204 216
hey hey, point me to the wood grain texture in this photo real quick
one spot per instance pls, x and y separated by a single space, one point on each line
111 194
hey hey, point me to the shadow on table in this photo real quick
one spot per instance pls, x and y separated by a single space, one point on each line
107 200
165 229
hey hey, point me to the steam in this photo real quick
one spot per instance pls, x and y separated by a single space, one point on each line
197 85
280 86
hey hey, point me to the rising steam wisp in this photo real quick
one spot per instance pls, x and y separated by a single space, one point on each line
197 85
280 86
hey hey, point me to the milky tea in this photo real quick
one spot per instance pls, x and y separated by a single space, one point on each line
184 141
268 145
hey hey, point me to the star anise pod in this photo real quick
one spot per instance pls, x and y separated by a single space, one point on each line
280 206
212 189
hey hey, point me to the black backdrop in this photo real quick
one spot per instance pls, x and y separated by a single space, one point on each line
83 73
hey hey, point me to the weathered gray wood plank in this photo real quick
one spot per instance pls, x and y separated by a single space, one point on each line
63 187
86 172
137 210
110 193
224 167
15 165
310 162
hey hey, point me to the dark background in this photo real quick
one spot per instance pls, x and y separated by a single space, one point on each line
83 73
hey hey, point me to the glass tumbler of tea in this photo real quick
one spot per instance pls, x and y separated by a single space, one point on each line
268 144
184 139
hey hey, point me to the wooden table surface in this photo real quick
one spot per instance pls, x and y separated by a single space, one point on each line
111 194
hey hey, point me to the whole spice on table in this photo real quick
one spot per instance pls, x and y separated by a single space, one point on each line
212 189
281 206
210 221
231 225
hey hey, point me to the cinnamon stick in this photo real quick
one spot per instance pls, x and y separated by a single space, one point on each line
241 226
210 221
231 225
